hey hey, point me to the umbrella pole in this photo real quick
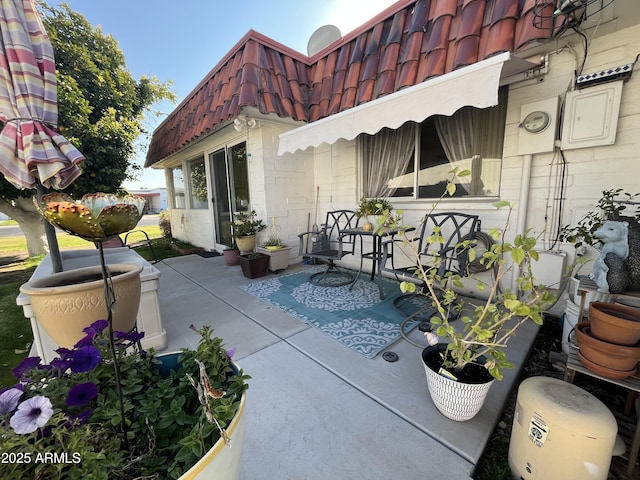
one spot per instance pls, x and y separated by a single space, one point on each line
52 239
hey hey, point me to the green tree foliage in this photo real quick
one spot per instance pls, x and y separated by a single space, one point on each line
101 107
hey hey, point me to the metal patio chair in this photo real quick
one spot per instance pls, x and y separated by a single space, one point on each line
330 244
439 238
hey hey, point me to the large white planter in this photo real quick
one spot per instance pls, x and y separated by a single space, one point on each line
223 461
279 257
457 401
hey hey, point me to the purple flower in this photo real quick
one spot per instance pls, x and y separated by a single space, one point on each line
82 394
85 359
61 364
9 400
97 327
133 336
31 415
231 352
84 341
64 353
81 418
25 366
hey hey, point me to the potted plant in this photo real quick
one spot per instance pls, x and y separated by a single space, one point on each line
278 252
179 411
245 227
231 254
369 207
254 265
473 352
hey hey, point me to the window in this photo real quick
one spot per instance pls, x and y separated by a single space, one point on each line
471 139
177 181
197 184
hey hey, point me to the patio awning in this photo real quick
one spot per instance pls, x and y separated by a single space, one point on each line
475 85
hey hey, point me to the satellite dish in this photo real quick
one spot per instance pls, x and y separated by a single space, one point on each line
322 37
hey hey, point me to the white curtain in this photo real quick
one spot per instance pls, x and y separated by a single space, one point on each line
470 135
386 155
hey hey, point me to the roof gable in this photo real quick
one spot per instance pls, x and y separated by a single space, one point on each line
403 46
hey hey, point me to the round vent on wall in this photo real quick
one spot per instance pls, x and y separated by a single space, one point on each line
321 38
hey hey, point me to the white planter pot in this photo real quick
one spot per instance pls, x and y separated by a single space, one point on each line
457 401
279 258
223 461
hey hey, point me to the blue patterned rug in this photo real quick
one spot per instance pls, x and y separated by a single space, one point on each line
356 318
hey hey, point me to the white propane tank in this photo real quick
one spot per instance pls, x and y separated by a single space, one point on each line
560 431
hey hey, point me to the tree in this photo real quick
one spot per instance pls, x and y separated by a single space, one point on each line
101 110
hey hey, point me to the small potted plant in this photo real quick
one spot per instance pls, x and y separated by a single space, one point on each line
245 227
254 265
370 207
276 249
473 352
231 254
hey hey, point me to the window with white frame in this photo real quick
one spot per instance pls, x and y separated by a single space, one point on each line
470 139
177 187
197 184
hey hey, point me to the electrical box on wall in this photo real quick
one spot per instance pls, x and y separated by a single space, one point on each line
591 116
538 126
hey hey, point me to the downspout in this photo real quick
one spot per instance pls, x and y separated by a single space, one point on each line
523 206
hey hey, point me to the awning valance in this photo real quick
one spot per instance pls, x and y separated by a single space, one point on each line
475 85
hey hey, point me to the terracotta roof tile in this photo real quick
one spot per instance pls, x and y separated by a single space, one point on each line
410 42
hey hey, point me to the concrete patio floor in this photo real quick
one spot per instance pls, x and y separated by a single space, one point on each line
317 409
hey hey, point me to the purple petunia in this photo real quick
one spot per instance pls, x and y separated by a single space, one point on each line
133 336
26 365
85 359
31 415
96 328
231 352
9 400
82 394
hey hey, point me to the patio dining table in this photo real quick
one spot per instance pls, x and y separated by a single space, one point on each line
375 255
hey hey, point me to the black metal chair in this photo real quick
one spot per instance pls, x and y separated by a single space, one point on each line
330 244
440 244
141 240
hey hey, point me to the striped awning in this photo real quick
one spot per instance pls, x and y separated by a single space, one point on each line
31 150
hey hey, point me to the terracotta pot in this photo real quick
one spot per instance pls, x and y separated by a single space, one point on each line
620 358
615 323
457 400
231 257
65 303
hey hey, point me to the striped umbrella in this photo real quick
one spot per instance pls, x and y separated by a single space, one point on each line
31 150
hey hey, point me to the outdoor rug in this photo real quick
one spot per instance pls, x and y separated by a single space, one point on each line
356 318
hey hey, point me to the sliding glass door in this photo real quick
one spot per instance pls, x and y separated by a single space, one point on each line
230 188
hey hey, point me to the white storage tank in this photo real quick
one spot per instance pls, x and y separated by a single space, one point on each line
560 431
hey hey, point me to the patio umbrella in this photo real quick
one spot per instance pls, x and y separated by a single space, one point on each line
32 153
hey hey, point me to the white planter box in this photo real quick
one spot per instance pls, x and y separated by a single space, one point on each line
279 258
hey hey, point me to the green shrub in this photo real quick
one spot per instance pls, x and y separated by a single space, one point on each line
165 223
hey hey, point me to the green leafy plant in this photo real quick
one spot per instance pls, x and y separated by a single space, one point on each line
484 327
611 206
165 223
71 409
246 223
373 206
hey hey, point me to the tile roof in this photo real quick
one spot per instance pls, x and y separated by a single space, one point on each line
406 44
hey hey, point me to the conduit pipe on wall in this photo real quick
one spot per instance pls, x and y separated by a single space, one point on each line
523 207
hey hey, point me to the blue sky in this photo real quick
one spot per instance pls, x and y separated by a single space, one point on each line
182 41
